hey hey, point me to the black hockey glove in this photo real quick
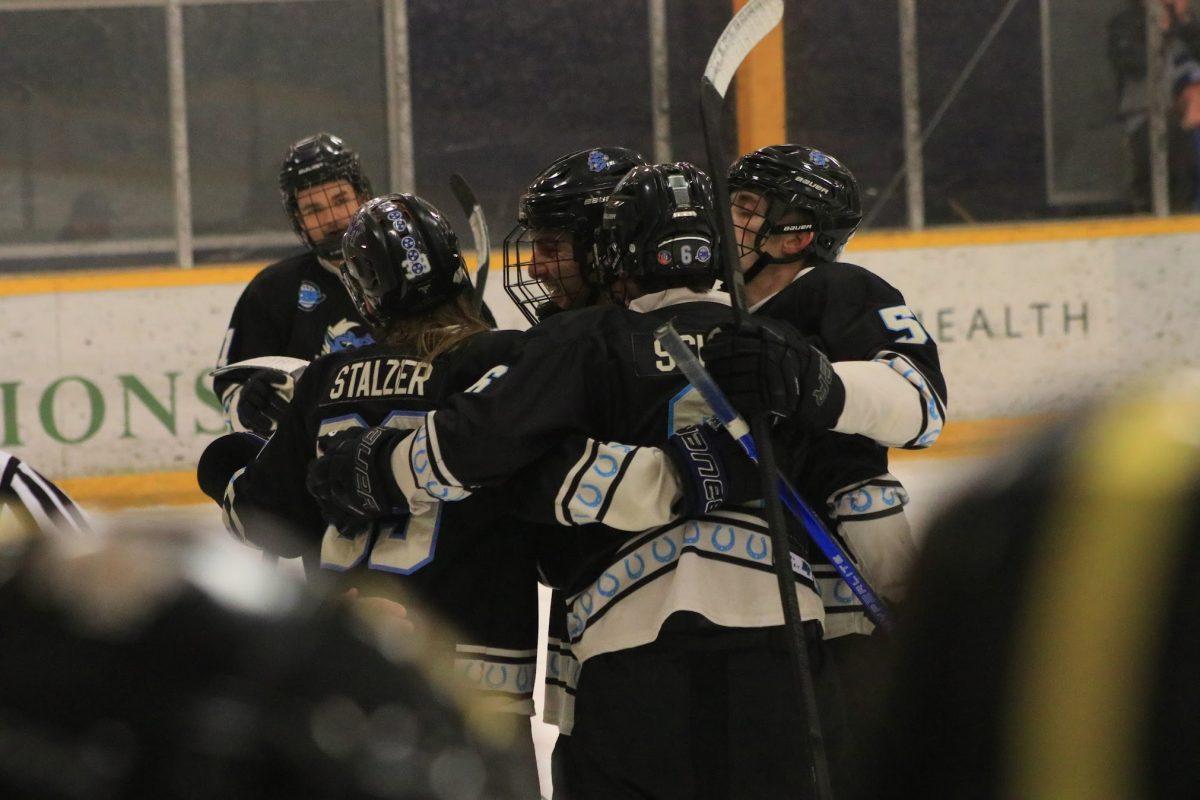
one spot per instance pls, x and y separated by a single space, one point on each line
260 404
224 456
353 482
713 468
764 365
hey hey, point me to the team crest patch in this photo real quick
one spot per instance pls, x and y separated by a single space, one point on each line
345 335
598 162
310 296
818 158
664 257
703 254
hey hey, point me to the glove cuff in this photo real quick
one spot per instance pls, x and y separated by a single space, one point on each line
827 398
702 471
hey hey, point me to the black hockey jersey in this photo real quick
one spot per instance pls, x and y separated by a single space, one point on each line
851 314
468 562
598 373
294 307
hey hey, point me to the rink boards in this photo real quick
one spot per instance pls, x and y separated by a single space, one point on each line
103 375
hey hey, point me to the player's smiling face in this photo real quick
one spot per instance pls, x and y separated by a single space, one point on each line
553 265
326 209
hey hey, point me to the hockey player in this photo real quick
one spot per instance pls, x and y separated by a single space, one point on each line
297 307
549 267
794 208
468 562
678 626
549 257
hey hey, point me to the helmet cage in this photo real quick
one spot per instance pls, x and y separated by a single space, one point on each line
317 161
565 201
541 280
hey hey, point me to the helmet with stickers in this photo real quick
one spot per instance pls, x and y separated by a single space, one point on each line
401 257
563 203
660 227
793 178
321 162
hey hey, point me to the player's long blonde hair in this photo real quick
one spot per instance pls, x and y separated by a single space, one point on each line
431 333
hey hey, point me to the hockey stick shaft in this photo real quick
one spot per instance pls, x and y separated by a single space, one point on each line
479 232
748 27
698 376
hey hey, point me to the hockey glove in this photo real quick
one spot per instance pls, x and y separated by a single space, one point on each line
224 456
263 398
353 482
713 469
764 365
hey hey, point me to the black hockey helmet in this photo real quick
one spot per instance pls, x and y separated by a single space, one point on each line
660 227
565 201
401 257
312 161
792 177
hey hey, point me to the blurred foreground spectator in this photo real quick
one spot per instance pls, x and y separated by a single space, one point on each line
164 664
1055 648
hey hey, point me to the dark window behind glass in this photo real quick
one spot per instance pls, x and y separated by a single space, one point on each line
260 76
692 30
842 65
501 89
985 161
84 138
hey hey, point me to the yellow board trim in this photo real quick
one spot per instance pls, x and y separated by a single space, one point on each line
960 439
1025 233
151 278
950 236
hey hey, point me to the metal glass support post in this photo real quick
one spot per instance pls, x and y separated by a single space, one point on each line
1156 111
180 172
399 97
660 95
910 92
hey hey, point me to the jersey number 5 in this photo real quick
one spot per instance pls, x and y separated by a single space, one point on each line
902 320
402 547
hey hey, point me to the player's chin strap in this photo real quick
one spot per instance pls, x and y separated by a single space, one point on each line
775 211
765 260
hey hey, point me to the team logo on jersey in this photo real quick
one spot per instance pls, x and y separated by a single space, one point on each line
598 162
344 335
703 254
818 158
310 296
664 257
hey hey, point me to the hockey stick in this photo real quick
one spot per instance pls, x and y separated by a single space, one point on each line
698 376
747 28
479 231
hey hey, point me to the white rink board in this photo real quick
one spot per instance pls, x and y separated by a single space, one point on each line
1023 328
1035 327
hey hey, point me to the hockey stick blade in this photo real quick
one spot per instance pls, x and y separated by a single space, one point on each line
747 28
479 232
698 376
